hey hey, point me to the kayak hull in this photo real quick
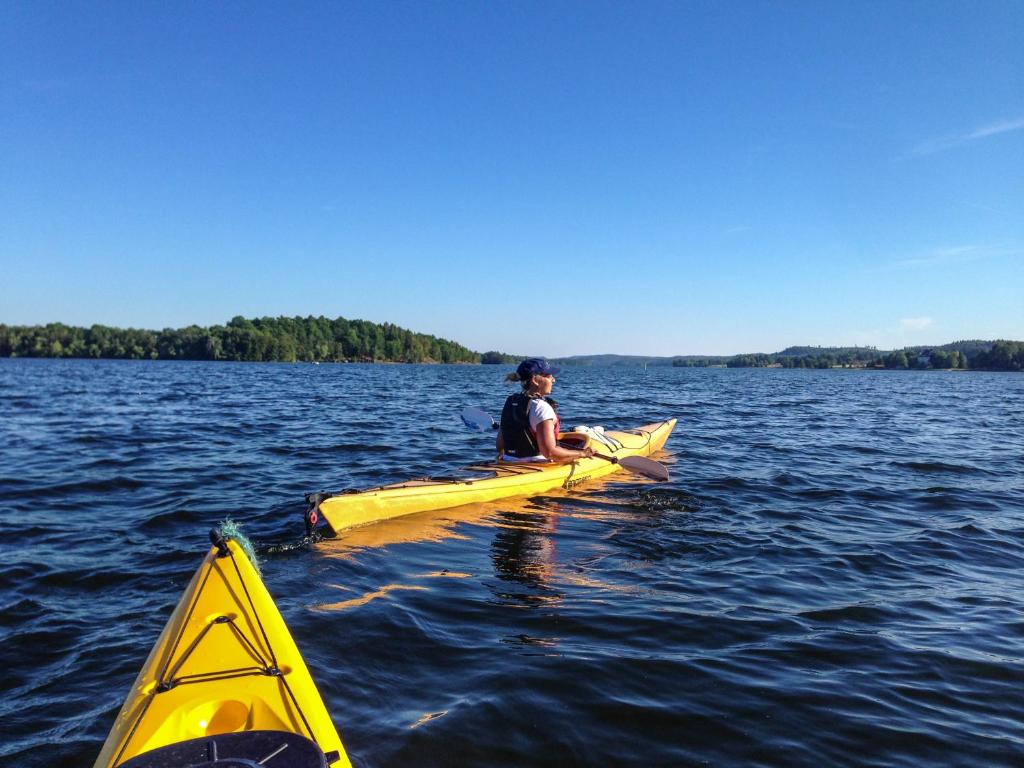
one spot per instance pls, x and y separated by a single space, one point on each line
485 482
224 664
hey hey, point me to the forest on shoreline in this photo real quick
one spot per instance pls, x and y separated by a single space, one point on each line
960 355
266 339
321 339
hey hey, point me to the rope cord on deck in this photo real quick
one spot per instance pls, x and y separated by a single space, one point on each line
161 677
275 670
167 679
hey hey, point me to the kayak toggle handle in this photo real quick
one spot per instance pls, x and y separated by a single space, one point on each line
218 540
312 515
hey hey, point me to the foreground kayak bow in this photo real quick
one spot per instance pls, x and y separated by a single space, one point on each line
486 482
224 684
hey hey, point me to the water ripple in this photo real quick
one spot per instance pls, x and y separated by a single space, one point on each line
832 577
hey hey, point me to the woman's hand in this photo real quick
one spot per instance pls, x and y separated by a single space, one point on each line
548 444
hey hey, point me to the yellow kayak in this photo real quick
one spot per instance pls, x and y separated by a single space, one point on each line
224 683
486 482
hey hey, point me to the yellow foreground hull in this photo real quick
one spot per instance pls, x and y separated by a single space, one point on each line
484 482
224 664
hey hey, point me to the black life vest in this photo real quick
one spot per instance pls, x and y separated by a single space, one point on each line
518 438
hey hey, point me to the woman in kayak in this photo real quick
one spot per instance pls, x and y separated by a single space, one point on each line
529 420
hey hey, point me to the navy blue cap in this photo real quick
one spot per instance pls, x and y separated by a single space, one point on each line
532 366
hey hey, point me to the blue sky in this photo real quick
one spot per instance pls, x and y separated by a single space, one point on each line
540 178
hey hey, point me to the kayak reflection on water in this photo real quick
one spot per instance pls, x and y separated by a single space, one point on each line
524 551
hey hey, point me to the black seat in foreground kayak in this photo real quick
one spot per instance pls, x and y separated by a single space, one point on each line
248 749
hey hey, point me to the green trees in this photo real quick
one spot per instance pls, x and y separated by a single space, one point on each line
896 360
322 339
962 355
497 358
263 339
947 359
1003 356
750 361
692 361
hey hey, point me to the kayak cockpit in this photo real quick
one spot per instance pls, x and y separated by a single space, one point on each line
493 480
248 749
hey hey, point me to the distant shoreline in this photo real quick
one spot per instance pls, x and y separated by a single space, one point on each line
997 355
875 368
338 340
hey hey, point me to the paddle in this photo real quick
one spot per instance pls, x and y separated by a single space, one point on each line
481 421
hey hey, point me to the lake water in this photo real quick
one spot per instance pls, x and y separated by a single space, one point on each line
833 576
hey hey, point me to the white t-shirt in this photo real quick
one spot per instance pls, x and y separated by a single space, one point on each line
538 411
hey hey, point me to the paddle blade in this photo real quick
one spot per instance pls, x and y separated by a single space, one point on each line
474 418
644 466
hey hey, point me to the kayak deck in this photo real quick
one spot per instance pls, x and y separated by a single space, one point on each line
224 664
484 482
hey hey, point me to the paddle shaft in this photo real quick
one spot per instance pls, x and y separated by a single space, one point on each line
641 465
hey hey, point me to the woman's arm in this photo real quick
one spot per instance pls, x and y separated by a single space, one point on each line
548 444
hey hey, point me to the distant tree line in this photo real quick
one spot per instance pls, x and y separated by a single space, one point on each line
1004 356
841 357
978 355
697 362
285 339
498 358
936 358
